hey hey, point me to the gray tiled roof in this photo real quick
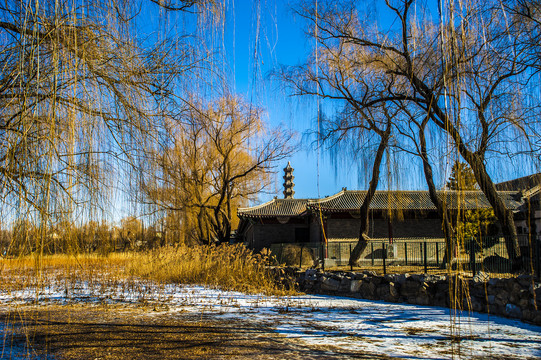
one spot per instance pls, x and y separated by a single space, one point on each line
348 200
275 207
409 200
523 183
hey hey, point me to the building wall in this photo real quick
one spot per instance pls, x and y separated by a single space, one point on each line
537 222
315 230
264 235
348 229
248 237
533 226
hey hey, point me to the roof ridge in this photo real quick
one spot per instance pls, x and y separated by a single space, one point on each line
257 206
293 199
532 191
328 198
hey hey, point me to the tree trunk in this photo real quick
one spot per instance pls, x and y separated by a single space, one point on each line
202 234
475 160
363 232
438 203
500 210
226 236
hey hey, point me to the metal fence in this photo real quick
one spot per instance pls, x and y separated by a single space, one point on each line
487 254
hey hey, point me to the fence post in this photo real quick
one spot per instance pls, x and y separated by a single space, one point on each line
538 257
323 256
437 254
350 263
406 252
472 255
372 252
425 258
300 258
384 257
339 257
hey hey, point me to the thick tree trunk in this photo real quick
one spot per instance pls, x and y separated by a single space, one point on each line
501 211
363 232
202 234
438 203
475 160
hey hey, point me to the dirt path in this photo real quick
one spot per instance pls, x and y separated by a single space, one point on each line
121 332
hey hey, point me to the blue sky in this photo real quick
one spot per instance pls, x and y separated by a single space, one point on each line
260 35
278 34
281 40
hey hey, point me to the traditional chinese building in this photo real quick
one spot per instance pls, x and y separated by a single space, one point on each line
393 215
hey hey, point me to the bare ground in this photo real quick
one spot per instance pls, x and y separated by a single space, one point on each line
140 332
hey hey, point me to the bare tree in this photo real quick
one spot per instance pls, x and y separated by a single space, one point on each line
414 128
222 156
466 73
524 23
344 133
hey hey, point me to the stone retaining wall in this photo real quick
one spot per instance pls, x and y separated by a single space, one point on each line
518 297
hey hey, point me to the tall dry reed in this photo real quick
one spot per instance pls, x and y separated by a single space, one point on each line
231 267
228 267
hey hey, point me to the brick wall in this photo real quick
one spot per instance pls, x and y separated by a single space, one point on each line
315 230
260 235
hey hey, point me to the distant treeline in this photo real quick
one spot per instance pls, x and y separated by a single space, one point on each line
99 237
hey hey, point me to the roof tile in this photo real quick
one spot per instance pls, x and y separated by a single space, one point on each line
276 207
348 200
409 200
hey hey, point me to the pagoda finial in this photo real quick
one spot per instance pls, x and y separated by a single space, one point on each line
288 182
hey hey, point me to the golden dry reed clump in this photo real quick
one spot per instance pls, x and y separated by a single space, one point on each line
229 267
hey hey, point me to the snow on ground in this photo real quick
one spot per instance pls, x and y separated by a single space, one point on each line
400 330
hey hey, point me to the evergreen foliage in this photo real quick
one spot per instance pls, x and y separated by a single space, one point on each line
471 224
462 177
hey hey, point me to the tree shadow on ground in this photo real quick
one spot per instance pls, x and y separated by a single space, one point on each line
110 333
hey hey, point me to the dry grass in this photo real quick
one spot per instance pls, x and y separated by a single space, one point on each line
229 267
79 290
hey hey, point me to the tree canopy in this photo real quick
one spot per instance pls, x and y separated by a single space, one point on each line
222 156
461 178
462 69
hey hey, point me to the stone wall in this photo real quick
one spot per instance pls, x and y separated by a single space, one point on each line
518 298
